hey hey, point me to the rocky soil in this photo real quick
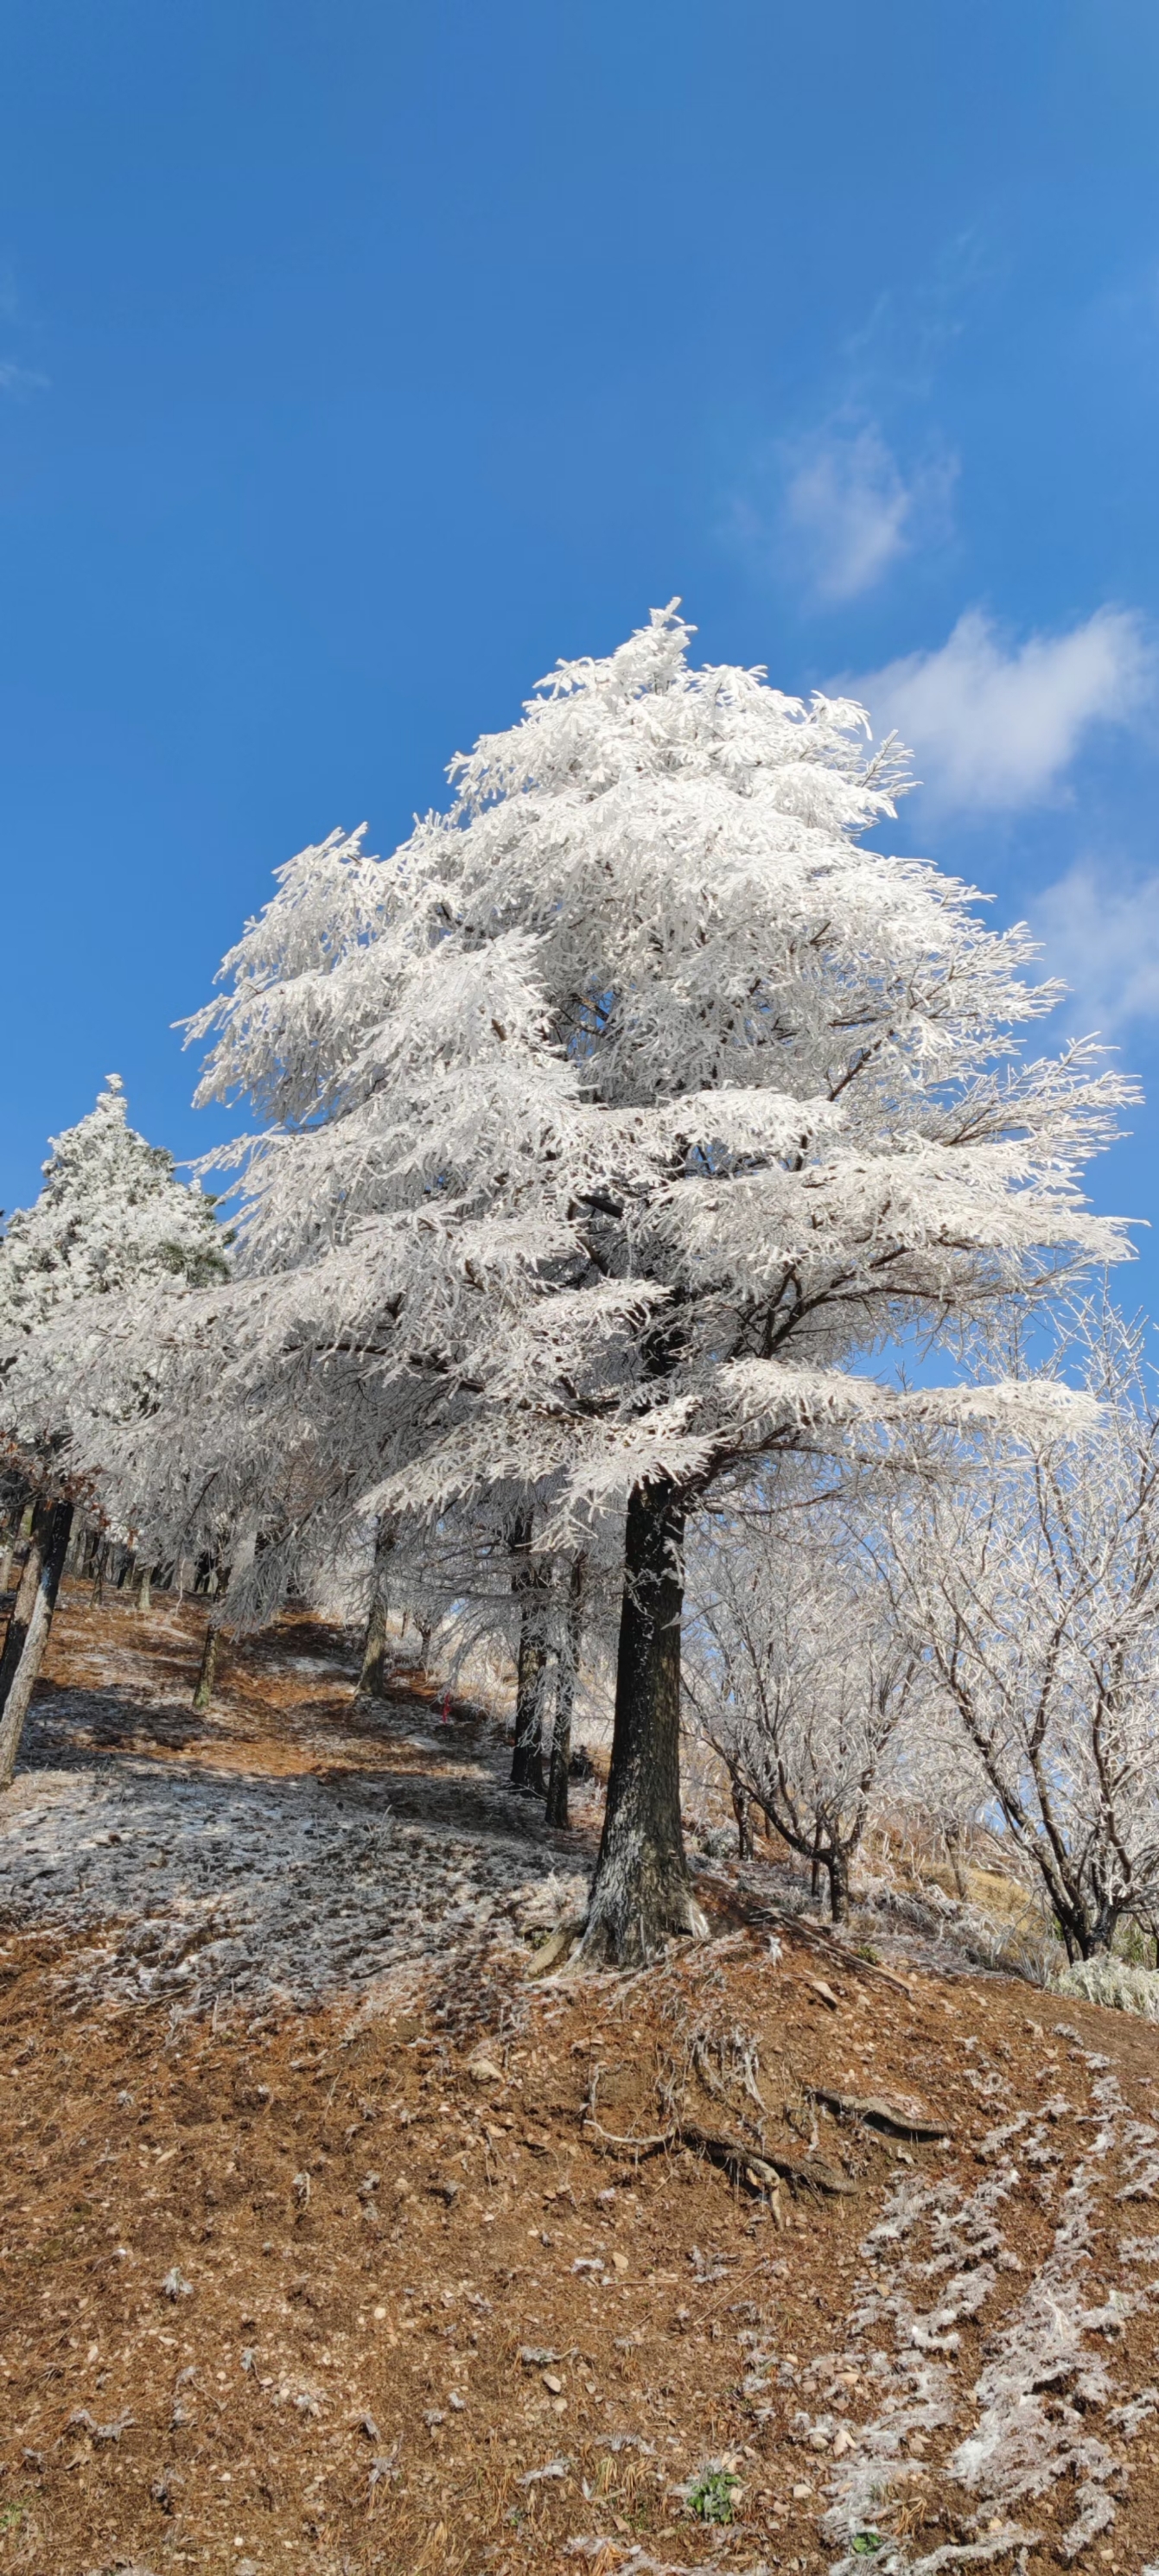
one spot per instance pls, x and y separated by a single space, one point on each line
334 2240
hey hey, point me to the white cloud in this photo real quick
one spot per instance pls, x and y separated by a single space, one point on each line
1104 939
20 380
997 726
849 511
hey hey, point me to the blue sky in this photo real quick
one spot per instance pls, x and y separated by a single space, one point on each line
358 361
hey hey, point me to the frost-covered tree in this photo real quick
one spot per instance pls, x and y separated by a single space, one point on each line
799 1678
604 1123
111 1216
1029 1578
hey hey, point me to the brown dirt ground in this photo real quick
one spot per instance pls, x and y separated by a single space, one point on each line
323 2322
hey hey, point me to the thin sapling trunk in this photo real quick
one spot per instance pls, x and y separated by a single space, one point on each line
567 1667
373 1673
207 1671
528 1582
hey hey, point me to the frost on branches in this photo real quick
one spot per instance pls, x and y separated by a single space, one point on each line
1029 1577
800 1679
600 1127
110 1218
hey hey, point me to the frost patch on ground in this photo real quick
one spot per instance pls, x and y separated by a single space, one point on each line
937 2258
207 1888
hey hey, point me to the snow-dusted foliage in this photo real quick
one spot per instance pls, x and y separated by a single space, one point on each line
798 1675
111 1216
599 1125
630 1094
1116 1983
1030 1579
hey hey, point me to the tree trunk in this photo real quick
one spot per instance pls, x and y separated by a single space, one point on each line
527 1583
203 1689
815 1872
29 1625
641 1892
99 1561
372 1678
837 1864
566 1669
145 1588
6 1561
954 1848
740 1809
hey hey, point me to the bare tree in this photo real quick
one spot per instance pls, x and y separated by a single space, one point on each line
1028 1574
800 1679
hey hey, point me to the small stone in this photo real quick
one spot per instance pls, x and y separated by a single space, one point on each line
801 2494
483 2070
551 2383
621 2262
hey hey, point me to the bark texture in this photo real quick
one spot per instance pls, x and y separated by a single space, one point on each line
29 1625
566 1670
529 1582
373 1674
203 1689
641 1894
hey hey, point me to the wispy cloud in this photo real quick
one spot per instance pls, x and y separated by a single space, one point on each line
997 725
850 511
20 380
835 510
1103 939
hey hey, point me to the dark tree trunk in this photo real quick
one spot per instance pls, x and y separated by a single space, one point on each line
566 1670
528 1583
837 1864
641 1893
29 1625
373 1675
815 1872
740 1809
99 1562
207 1674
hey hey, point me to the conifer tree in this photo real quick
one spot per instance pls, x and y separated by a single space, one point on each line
111 1216
602 1127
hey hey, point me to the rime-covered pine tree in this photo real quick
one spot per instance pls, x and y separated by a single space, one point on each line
111 1217
606 1121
